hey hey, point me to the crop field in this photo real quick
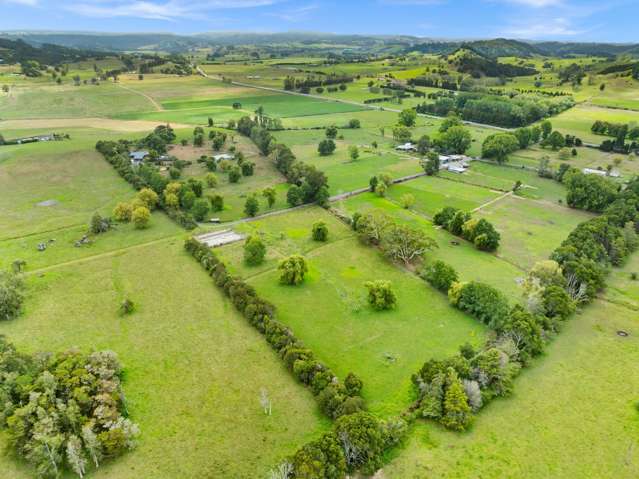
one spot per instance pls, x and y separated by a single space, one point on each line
383 349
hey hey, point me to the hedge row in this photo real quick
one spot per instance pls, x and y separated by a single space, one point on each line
334 398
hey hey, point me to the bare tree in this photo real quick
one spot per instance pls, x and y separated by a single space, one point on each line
265 402
283 471
576 289
351 452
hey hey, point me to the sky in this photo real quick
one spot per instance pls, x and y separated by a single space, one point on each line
563 20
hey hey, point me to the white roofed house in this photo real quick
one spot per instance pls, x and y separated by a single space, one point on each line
223 157
611 173
137 157
406 147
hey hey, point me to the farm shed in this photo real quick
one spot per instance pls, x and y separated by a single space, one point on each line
220 238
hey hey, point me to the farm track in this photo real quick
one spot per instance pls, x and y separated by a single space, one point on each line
107 254
155 104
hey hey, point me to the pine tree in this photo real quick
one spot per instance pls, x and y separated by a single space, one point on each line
457 413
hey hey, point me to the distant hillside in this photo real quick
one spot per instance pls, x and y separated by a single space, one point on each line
114 42
502 47
491 48
558 49
46 54
468 60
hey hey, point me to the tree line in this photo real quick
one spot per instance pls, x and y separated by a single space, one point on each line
335 398
520 110
308 184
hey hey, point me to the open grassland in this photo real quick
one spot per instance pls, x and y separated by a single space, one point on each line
330 314
530 230
432 194
166 87
194 367
197 110
586 158
578 120
503 178
573 414
70 173
65 101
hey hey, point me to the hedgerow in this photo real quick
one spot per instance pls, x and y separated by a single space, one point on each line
334 398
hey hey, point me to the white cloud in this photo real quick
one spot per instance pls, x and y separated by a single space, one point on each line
29 3
163 10
543 28
295 14
537 3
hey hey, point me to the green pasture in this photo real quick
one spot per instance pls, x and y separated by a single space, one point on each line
530 230
330 314
69 173
572 414
578 120
432 194
68 101
471 264
194 368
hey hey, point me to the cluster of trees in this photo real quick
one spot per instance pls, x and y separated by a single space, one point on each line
453 389
335 398
589 192
602 241
617 130
357 443
380 183
620 132
397 242
177 199
308 184
499 145
139 210
305 84
479 232
11 295
518 110
64 411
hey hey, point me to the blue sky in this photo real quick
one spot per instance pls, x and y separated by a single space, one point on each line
565 20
